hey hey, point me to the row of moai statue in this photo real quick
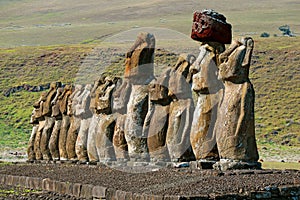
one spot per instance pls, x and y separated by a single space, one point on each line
143 117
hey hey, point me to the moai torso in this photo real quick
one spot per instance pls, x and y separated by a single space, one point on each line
207 88
139 73
107 120
157 119
181 110
235 129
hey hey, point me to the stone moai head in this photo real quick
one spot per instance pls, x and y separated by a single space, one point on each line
235 61
103 97
211 26
139 64
37 114
179 81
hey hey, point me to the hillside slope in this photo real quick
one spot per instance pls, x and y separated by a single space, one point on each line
40 22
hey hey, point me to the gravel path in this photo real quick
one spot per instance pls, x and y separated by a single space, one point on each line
164 181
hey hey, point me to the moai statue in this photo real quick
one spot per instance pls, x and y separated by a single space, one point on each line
49 121
75 120
181 111
157 119
82 110
94 125
235 129
65 124
210 28
35 126
53 141
120 98
139 68
107 120
38 115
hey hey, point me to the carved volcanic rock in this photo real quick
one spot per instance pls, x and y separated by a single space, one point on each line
209 25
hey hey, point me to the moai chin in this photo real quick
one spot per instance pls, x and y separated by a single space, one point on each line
139 72
210 28
235 129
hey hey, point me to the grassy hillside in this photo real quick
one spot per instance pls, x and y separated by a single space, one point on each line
44 41
40 22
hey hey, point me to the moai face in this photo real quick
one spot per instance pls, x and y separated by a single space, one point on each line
236 61
104 95
37 114
139 64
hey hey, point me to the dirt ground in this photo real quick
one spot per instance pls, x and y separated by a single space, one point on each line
158 181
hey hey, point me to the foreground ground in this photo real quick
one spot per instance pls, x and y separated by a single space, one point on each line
158 181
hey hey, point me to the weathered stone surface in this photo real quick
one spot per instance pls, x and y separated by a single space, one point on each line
99 192
139 72
77 189
53 141
49 120
181 111
107 121
91 142
86 191
93 128
157 119
45 137
84 113
72 134
48 184
121 95
234 128
139 59
65 124
38 107
209 25
30 146
119 141
207 86
104 137
136 113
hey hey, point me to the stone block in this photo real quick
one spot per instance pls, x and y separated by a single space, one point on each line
76 189
261 195
167 197
86 191
48 185
22 181
60 187
289 191
122 195
2 178
137 196
99 192
153 197
36 183
9 180
69 188
15 180
110 194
